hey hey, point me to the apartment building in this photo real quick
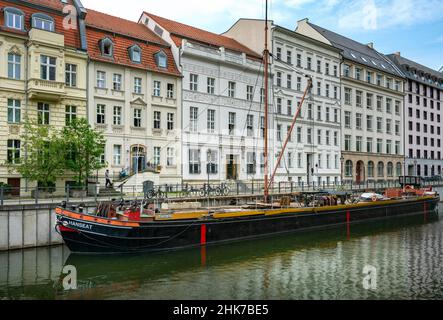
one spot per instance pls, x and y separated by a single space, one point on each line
43 74
372 108
423 118
134 99
313 152
223 103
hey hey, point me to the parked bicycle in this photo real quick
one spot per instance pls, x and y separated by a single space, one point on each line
208 190
156 194
188 191
224 189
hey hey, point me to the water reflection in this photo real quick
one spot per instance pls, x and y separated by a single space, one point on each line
313 265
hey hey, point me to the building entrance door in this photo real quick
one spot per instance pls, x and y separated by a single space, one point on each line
231 167
138 159
15 186
360 176
310 168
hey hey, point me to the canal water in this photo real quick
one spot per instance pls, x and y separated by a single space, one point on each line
403 259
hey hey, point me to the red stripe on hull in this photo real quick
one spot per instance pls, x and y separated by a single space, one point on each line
203 235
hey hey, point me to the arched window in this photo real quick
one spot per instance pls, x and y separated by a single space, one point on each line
370 169
135 54
14 18
399 169
43 21
390 169
348 168
107 47
381 169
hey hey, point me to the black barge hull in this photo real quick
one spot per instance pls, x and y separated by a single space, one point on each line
90 237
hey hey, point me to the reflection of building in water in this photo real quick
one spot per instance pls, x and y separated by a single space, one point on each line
31 267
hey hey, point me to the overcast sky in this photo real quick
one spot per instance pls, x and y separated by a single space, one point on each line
413 27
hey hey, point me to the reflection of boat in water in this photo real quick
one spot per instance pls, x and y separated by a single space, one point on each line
126 268
132 232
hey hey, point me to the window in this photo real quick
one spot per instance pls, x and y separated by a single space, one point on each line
262 126
249 93
299 135
319 113
13 151
157 89
43 113
137 85
357 73
14 113
170 91
336 138
137 118
157 156
117 155
347 70
379 125
279 132
193 83
117 121
231 122
358 121
71 75
347 119
318 66
161 60
289 57
211 85
390 169
231 89
347 143
47 68
289 108
279 101
14 66
170 157
309 63
14 18
251 163
211 121
359 144
388 146
212 163
157 120
101 79
379 104
399 169
70 114
135 54
348 96
388 126
388 105
278 53
359 98
107 47
193 117
194 161
170 122
381 169
298 84
369 123
278 79
43 22
117 82
369 97
371 169
289 81
250 125
309 136
369 145
348 168
101 114
299 60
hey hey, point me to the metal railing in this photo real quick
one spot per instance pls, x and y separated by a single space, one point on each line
185 191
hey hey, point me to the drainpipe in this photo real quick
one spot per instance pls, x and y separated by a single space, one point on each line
26 101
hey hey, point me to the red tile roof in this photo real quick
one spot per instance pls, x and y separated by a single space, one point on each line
72 36
125 34
181 31
121 26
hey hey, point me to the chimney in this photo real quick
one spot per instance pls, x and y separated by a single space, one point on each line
398 53
371 45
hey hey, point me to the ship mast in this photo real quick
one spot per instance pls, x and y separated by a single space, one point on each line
266 63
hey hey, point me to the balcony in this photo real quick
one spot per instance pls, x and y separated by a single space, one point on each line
46 90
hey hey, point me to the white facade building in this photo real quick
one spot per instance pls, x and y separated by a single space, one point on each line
313 152
223 103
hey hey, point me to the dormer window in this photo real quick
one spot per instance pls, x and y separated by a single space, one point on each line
107 47
161 59
14 18
43 22
135 54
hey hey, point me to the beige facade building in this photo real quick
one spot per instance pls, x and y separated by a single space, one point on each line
43 77
135 100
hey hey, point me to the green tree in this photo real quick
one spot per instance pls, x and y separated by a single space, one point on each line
84 146
41 159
